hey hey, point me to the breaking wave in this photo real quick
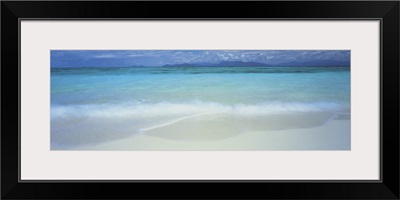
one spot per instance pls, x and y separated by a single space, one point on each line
171 109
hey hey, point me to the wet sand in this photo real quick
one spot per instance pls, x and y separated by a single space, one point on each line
221 132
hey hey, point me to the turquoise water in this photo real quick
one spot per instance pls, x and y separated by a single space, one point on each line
87 101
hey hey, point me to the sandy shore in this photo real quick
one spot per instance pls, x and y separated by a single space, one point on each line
229 133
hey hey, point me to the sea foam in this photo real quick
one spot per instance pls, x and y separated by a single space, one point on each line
196 107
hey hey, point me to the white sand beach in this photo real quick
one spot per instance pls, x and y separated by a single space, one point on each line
227 133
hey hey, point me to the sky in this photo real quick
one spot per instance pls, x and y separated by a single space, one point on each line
125 58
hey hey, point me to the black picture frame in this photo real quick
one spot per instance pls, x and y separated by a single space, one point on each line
386 11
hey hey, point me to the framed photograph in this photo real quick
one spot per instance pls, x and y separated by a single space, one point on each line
299 98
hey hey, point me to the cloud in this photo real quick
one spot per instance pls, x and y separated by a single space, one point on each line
105 56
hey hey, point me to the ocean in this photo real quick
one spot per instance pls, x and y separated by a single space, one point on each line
205 105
